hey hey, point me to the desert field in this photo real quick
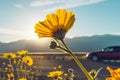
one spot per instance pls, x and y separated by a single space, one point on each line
46 61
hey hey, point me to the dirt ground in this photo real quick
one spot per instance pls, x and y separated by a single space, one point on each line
46 63
47 66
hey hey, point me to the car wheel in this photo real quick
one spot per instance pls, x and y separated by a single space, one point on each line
95 58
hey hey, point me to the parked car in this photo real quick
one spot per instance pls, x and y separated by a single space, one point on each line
108 53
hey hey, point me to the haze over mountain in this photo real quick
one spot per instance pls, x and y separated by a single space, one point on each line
82 44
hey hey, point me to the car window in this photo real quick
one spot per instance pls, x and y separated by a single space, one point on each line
108 50
116 49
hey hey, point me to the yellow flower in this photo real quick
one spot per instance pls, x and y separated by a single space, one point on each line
60 78
22 53
115 74
5 55
54 68
60 66
28 60
110 78
55 25
6 69
21 67
65 74
9 55
22 79
10 76
55 74
14 61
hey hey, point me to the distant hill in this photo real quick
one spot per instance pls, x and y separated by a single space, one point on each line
86 43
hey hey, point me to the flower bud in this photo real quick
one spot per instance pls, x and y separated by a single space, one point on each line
53 45
70 70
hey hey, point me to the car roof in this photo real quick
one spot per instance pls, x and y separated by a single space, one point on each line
114 47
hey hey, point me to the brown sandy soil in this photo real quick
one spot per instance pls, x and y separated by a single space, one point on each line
47 65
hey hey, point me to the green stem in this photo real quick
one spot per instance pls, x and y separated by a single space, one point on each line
25 71
89 77
59 47
10 63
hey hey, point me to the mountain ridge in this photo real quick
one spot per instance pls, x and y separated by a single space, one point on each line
81 44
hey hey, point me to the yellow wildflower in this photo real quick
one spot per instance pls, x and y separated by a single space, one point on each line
60 78
22 79
21 67
54 68
60 66
10 76
65 74
55 25
5 56
115 74
6 69
9 55
22 53
28 60
55 74
110 78
14 61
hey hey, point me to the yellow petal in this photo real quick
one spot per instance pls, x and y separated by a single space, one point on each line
109 68
42 30
41 26
110 78
69 24
43 35
69 20
53 19
48 24
62 14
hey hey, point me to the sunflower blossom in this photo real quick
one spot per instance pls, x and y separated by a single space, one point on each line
55 25
28 60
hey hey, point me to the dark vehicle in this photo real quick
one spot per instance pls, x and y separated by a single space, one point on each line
108 53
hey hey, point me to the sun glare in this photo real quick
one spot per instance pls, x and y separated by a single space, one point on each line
44 40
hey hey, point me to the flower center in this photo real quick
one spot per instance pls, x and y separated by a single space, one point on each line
59 34
28 61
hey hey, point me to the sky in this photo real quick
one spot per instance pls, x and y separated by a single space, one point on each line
93 17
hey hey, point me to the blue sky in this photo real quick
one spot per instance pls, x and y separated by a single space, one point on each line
93 17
